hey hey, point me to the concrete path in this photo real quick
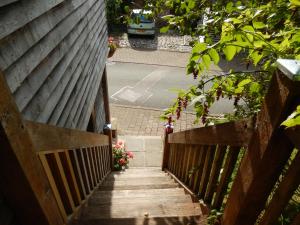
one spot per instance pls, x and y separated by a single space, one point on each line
152 57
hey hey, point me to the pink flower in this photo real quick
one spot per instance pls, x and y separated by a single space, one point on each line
129 154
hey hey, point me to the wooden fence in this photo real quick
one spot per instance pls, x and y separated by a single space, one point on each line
239 166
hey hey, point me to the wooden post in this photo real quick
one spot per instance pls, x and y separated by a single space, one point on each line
107 114
166 152
22 178
268 151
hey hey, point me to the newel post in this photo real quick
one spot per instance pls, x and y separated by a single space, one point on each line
107 131
166 150
268 149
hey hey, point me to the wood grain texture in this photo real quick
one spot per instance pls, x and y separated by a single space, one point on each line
36 202
239 135
50 138
283 194
268 151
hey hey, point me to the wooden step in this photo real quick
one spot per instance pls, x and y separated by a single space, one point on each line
186 220
138 210
138 183
115 202
140 180
138 193
124 176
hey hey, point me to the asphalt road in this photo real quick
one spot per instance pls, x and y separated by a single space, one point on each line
151 86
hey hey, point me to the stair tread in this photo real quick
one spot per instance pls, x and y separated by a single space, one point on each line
140 200
185 220
141 181
138 193
138 186
140 196
153 209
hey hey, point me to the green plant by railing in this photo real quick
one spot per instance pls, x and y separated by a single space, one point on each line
254 32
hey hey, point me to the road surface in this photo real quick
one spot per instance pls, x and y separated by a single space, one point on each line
153 86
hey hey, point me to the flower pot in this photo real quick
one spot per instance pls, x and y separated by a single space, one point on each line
111 52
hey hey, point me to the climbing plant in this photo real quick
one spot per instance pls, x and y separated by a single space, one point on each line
256 32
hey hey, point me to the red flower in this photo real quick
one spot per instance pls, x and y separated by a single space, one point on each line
122 162
110 39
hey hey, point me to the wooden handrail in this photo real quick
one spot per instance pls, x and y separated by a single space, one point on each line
237 133
49 138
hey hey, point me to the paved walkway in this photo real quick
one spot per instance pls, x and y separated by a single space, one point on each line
154 57
145 121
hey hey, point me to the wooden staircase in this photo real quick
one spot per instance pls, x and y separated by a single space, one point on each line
140 196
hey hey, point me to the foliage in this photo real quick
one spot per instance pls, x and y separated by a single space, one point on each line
214 217
114 11
257 32
120 155
293 119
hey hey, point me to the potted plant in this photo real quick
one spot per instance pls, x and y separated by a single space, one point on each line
112 47
121 156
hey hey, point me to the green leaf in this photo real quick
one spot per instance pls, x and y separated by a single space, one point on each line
244 82
229 52
191 4
256 57
239 90
206 60
254 87
164 29
229 7
293 119
248 28
295 2
195 57
199 47
214 55
258 25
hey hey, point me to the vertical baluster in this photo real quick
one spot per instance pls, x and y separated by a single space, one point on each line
88 167
53 186
108 152
188 164
191 168
101 161
230 162
215 172
200 166
70 175
96 163
177 159
207 169
92 161
64 181
171 158
183 162
78 173
83 165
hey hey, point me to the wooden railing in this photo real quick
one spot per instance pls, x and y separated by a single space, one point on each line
196 157
242 167
75 163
